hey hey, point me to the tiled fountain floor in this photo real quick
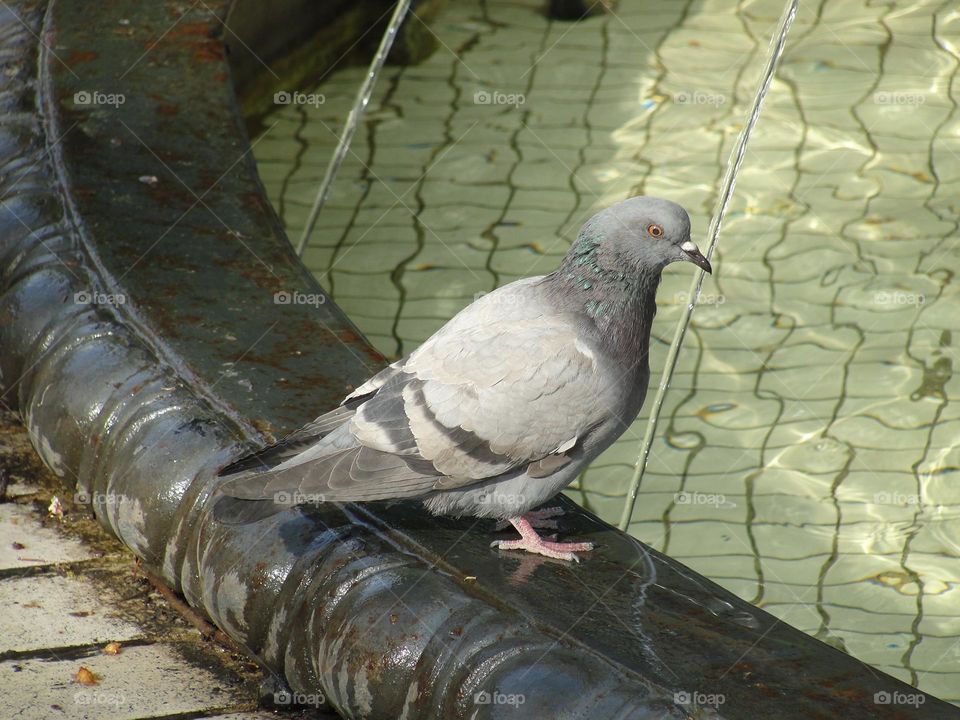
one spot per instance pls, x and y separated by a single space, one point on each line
808 452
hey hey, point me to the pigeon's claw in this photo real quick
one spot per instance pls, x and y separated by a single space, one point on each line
533 543
541 519
557 550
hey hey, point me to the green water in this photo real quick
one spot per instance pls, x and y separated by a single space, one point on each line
808 449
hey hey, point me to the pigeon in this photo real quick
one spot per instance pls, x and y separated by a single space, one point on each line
505 404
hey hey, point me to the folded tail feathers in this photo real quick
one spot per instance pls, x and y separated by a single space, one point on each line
291 445
347 474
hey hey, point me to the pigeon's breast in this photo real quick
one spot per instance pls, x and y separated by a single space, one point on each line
624 379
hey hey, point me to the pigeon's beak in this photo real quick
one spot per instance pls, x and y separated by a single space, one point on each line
696 257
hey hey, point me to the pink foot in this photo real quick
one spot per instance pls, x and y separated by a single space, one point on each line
541 519
533 543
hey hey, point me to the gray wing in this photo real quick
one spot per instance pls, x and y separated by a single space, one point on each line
488 394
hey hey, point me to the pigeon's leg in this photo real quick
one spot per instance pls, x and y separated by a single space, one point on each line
533 543
541 519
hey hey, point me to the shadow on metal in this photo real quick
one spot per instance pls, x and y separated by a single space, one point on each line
142 341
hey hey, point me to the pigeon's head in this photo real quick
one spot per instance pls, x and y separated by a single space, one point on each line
646 233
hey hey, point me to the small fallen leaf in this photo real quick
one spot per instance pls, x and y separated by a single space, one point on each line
85 677
112 648
18 546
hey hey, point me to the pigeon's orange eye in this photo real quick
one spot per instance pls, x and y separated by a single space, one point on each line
655 230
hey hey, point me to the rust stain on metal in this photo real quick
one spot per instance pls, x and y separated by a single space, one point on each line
210 51
351 338
194 29
255 201
259 575
75 57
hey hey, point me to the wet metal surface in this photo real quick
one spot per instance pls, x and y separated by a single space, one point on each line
385 610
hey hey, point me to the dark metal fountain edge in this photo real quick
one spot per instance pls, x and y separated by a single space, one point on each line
141 335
